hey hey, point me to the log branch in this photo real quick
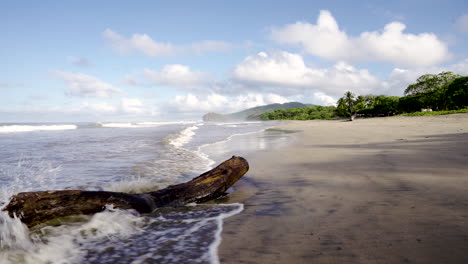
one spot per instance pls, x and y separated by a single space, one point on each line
36 207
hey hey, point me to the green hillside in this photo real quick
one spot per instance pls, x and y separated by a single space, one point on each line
253 113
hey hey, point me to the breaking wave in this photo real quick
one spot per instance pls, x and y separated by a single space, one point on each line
30 128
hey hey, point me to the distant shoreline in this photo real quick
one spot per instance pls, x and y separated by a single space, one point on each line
389 190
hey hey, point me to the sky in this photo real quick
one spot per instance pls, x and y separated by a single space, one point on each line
129 61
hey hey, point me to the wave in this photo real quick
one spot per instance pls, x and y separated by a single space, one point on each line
135 185
229 138
168 123
30 128
65 243
119 125
144 124
183 137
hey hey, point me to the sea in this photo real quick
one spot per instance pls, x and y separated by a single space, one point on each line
121 157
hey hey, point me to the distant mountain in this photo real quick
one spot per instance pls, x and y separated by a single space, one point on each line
253 113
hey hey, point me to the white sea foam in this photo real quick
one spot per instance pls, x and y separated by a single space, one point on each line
29 174
175 232
64 244
13 233
145 124
167 123
82 242
200 148
213 248
134 185
183 137
119 125
30 128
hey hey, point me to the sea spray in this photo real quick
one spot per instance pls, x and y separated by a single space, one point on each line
13 233
66 243
173 165
28 174
136 159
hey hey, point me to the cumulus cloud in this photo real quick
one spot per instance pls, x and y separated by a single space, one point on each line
83 85
126 106
98 107
391 44
287 74
150 47
462 23
399 78
140 42
134 106
321 98
176 75
214 102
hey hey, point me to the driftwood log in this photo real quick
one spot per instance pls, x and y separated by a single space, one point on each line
36 207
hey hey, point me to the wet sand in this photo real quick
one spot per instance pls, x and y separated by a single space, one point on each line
382 190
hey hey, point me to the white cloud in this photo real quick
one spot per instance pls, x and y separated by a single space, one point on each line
176 75
287 74
150 47
321 98
214 102
97 107
83 85
140 42
192 103
392 44
126 106
399 78
134 106
462 23
275 98
458 68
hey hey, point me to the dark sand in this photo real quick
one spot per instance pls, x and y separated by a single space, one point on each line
382 190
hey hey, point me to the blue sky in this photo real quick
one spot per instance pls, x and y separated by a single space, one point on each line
65 61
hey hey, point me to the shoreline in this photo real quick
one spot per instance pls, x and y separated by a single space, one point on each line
380 190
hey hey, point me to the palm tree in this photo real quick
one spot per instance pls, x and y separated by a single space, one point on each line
350 101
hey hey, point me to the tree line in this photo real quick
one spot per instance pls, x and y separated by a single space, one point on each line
431 92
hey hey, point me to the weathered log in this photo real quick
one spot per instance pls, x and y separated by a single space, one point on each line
36 207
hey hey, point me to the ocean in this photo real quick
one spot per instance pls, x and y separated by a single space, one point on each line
123 157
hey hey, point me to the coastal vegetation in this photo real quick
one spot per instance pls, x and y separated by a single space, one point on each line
253 113
431 94
447 112
306 113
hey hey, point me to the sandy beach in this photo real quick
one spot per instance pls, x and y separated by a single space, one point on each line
381 190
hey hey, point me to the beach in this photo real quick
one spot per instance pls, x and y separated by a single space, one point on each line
380 190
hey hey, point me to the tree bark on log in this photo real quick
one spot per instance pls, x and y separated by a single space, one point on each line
36 207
